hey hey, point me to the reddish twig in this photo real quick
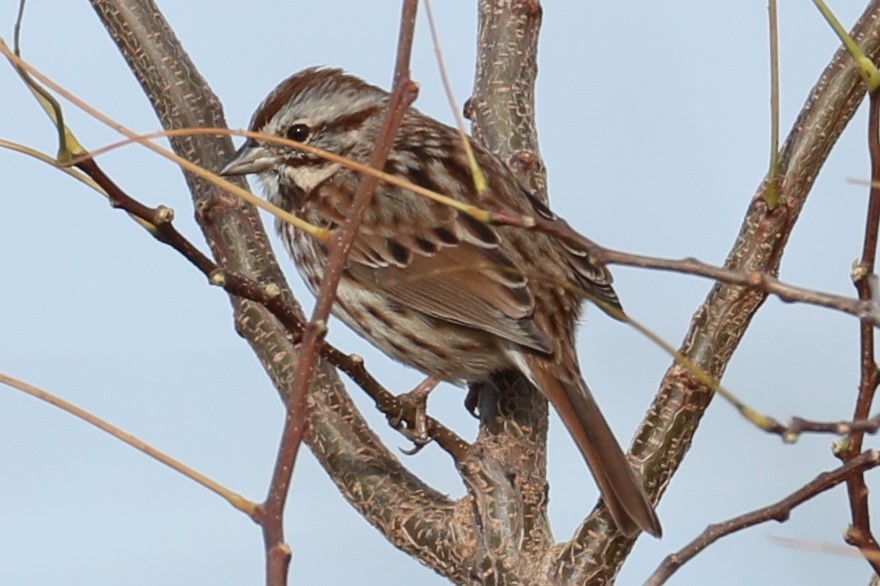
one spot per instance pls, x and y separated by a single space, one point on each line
778 511
859 534
402 95
866 309
798 426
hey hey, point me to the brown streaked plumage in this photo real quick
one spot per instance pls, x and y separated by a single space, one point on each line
432 287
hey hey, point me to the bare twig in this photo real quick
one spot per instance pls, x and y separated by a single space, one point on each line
73 153
859 534
719 324
789 433
268 296
798 426
233 498
402 95
778 511
158 221
834 549
772 195
479 178
867 310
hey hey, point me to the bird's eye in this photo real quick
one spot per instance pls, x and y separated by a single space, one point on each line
298 132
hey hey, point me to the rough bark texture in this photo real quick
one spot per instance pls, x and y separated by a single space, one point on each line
594 556
499 532
407 511
513 437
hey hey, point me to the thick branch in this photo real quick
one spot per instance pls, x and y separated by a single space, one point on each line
506 478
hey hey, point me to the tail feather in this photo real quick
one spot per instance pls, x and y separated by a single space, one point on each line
621 489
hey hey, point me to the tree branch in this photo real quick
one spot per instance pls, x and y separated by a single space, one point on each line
859 534
399 504
507 478
340 244
778 511
595 554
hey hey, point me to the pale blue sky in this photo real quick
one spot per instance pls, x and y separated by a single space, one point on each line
653 119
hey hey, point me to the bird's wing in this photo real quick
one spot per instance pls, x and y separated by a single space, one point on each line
454 270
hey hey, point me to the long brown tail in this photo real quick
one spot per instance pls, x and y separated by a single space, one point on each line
620 487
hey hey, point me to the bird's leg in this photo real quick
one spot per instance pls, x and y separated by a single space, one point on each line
480 398
412 421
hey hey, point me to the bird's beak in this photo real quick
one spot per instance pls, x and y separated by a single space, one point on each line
250 158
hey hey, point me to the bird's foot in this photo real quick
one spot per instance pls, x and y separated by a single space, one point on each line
412 421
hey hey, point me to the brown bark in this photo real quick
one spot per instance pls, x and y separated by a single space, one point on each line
498 533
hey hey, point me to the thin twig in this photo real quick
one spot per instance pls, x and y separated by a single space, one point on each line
402 95
233 498
505 217
859 534
158 222
789 433
778 511
772 196
866 310
79 153
798 426
479 177
266 295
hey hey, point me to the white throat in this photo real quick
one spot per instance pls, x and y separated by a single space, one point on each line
308 177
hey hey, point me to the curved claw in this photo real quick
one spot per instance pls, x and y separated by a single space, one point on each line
412 421
417 447
418 439
472 400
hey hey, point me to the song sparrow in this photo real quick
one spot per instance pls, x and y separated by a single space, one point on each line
431 287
